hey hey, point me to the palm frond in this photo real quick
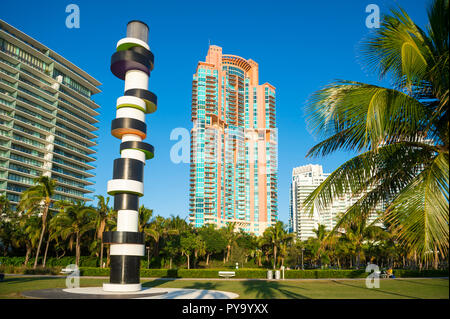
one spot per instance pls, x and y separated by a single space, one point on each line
357 116
419 213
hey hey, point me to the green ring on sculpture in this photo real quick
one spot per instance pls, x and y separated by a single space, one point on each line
134 106
127 46
148 97
125 192
146 148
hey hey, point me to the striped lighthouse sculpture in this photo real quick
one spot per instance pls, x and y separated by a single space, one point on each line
132 62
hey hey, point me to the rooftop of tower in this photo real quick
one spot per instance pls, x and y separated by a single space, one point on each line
44 51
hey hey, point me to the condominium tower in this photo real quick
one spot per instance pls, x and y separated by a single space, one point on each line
233 176
47 119
305 180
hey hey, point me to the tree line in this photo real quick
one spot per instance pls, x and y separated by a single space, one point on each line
42 227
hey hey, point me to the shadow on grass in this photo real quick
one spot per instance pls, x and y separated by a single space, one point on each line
260 288
424 283
376 290
156 282
198 285
267 289
15 280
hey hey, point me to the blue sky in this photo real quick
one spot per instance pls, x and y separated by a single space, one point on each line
300 47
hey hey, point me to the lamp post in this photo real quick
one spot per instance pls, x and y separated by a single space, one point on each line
303 249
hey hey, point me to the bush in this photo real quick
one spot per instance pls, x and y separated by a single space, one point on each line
14 265
85 261
10 269
94 271
405 273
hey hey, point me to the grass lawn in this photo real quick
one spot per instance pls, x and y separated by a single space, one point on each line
12 286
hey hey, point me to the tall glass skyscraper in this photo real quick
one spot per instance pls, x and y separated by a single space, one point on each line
47 119
233 175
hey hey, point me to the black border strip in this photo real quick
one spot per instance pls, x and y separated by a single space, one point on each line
128 122
148 149
125 269
123 237
126 201
128 168
143 94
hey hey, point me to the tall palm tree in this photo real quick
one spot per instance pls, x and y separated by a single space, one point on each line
37 199
145 226
401 133
275 235
230 237
73 223
103 211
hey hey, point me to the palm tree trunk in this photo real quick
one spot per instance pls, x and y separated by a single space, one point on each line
46 250
170 263
41 237
101 254
274 256
207 259
358 258
228 252
436 259
108 256
188 263
77 250
27 256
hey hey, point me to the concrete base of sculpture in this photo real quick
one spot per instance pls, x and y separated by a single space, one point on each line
121 287
145 293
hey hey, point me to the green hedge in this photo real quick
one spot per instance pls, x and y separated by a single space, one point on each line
424 273
85 261
10 269
262 273
15 265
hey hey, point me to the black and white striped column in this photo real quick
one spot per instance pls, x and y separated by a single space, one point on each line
132 62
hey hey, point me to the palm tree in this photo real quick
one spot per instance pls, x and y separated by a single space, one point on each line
146 227
358 231
275 235
26 234
37 199
6 223
230 237
103 211
73 223
401 133
284 246
5 206
321 232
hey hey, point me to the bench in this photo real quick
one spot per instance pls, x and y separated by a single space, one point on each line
67 271
227 274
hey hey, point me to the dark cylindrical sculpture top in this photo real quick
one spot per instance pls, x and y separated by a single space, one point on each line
137 29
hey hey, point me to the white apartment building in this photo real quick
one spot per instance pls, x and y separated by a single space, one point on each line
305 179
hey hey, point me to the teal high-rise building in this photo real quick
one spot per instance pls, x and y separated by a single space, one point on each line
233 175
